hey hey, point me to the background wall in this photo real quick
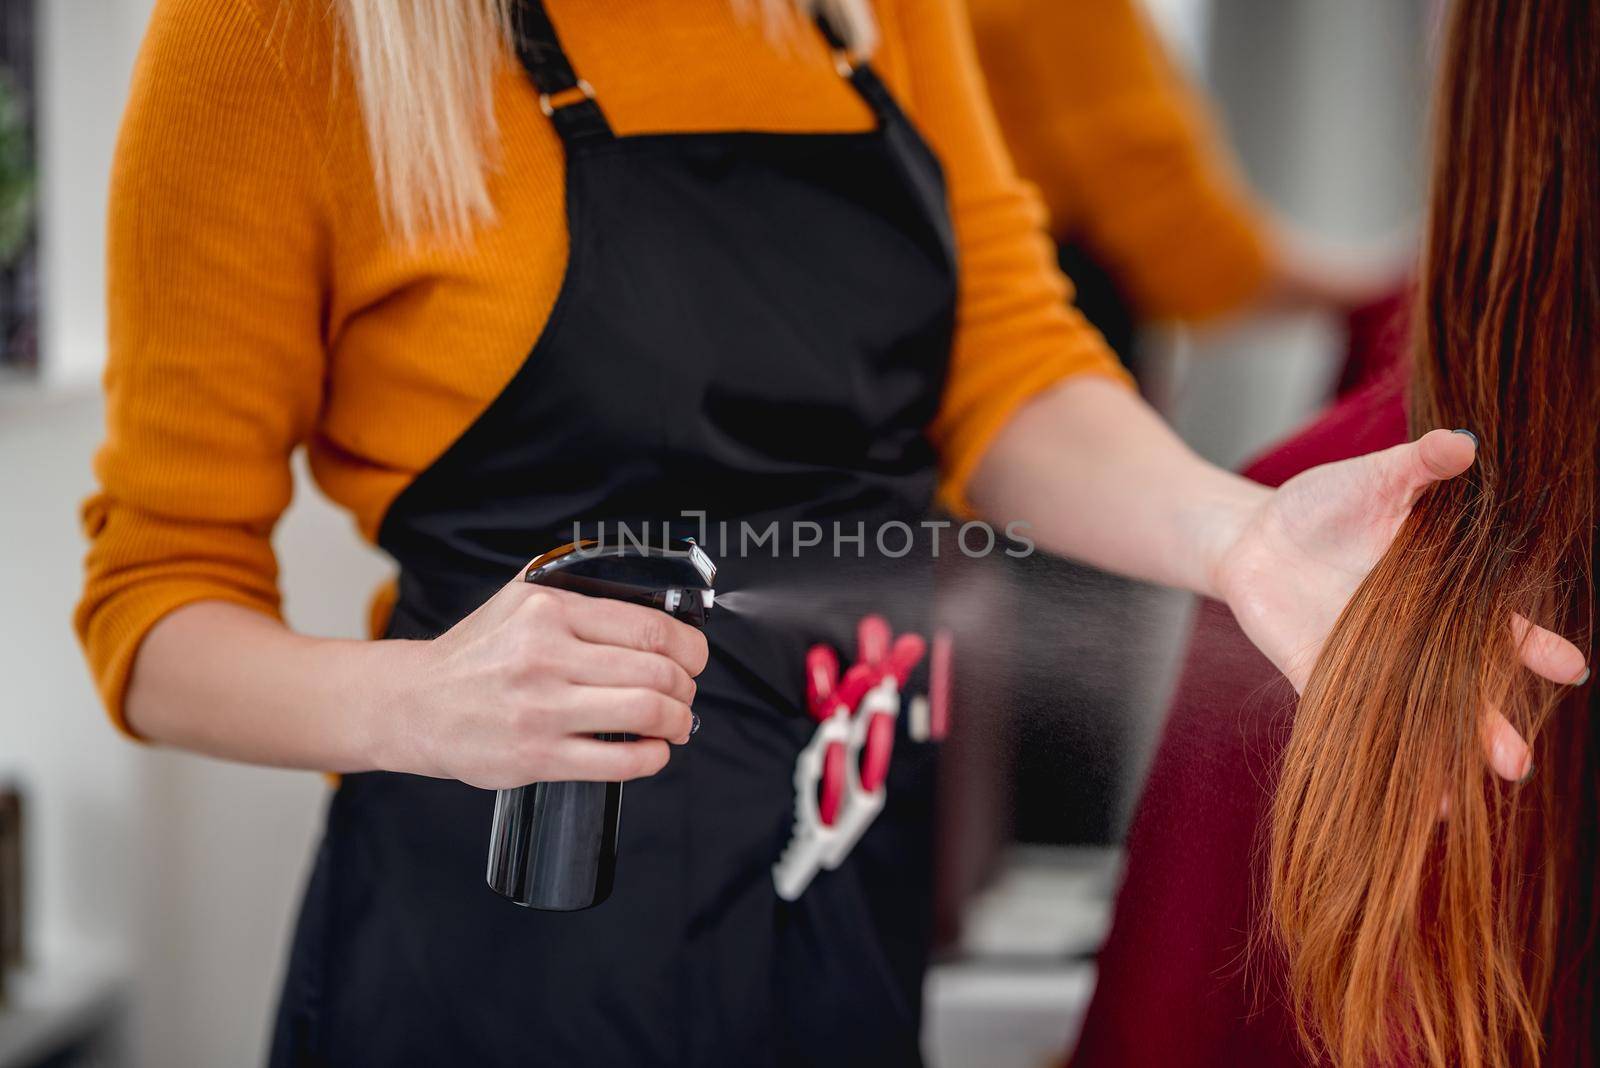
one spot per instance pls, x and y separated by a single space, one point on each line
1325 104
88 52
177 872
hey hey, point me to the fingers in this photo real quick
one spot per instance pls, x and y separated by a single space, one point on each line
1548 654
589 759
632 626
1508 754
1437 455
611 665
616 709
1505 750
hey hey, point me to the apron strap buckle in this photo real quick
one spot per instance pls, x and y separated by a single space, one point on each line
549 103
567 100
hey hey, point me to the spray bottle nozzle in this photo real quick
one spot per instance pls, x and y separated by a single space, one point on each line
675 579
690 606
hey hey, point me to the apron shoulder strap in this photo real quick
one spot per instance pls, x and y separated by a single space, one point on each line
566 99
569 101
858 72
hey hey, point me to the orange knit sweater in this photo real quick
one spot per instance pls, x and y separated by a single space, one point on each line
256 305
1125 154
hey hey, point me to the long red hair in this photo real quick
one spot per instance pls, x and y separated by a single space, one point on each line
1467 941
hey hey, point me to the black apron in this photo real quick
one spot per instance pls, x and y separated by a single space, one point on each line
754 326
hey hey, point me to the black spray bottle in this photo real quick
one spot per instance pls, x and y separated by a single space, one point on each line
553 845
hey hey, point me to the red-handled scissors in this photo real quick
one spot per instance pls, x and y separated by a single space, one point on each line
878 746
821 770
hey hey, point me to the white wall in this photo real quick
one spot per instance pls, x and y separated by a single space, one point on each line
88 52
84 816
177 873
1182 25
1325 103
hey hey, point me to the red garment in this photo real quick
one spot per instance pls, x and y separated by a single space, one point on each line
1377 336
1185 980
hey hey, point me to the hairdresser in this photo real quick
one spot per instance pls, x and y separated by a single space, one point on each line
633 258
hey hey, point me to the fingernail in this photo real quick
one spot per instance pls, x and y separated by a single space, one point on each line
694 723
1468 433
1527 774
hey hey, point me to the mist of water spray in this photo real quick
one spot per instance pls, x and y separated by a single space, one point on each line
1075 665
1037 621
1068 667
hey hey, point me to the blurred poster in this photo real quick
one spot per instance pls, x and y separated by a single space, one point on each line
19 298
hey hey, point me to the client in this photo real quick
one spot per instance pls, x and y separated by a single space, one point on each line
1344 882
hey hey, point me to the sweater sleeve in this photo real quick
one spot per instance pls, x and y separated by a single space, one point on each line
1016 331
1128 158
216 352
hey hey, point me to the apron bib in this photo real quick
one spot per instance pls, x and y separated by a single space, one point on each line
755 327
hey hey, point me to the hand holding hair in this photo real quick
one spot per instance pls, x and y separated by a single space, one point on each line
1427 681
1287 561
1299 560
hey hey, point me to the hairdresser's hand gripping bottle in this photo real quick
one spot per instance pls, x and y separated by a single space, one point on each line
553 845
